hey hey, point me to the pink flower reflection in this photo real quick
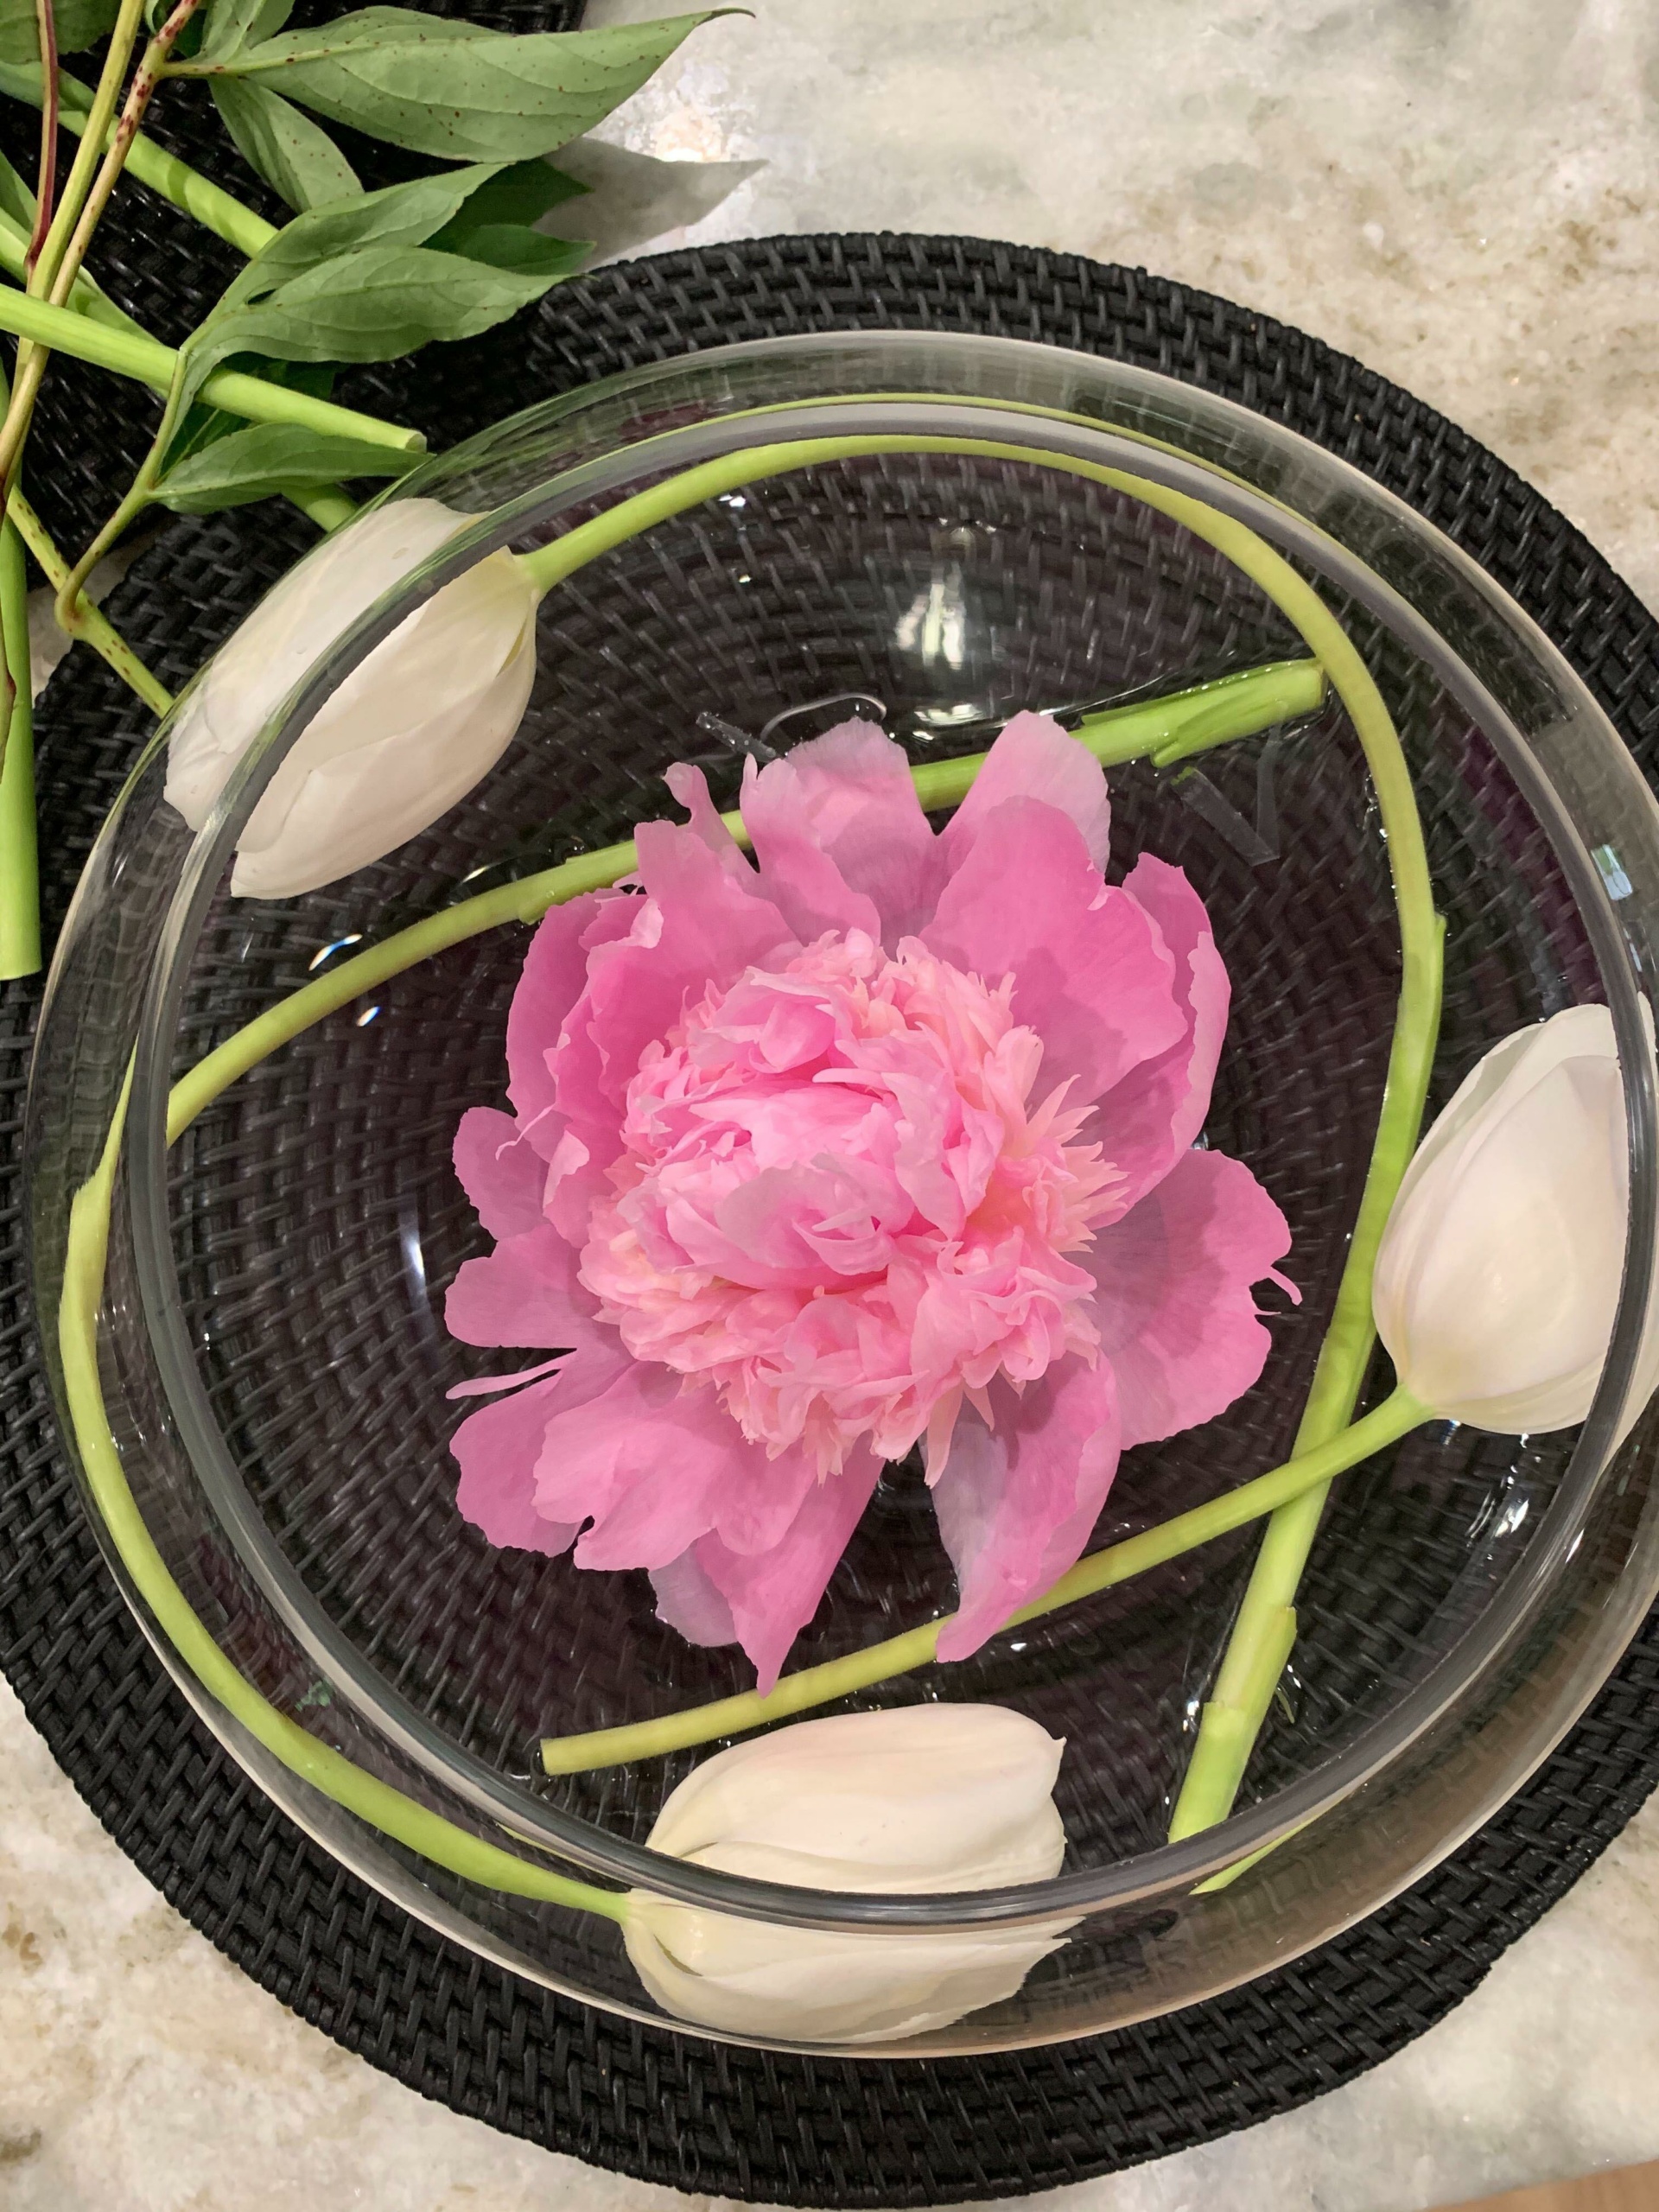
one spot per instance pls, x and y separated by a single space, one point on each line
883 1137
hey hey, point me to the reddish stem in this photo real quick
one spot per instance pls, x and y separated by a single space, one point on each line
46 190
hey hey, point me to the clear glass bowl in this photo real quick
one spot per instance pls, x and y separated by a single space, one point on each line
271 1351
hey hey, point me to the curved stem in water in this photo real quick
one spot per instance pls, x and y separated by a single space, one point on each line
525 901
1249 702
918 1646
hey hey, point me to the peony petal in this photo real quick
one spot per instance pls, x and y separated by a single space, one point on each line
690 786
773 1594
524 1292
500 1173
498 1448
555 972
848 796
1175 1310
1016 1503
1155 1113
1035 759
1091 973
800 878
699 926
689 1602
603 1465
491 1386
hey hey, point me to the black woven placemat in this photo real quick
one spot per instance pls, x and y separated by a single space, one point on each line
675 2109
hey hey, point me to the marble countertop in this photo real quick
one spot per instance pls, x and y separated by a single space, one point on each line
1464 194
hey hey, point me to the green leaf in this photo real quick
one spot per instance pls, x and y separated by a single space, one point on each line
232 24
519 194
400 214
253 462
458 91
17 200
296 157
509 246
368 305
78 23
365 27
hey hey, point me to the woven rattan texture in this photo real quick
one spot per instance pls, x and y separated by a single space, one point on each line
673 2109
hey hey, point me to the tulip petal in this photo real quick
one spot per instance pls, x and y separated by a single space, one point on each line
292 627
1091 973
848 796
1016 1503
1173 1307
805 1985
1498 1274
975 1781
1035 759
406 736
354 810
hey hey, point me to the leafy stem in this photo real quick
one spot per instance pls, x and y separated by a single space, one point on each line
67 606
93 626
19 916
139 95
133 354
149 164
51 279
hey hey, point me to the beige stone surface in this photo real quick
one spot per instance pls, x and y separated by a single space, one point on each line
1465 193
140 2072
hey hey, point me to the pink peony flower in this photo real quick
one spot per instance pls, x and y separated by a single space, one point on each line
883 1137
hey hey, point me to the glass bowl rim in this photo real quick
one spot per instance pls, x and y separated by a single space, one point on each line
1381 1740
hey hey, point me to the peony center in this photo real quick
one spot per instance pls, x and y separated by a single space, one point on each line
845 1201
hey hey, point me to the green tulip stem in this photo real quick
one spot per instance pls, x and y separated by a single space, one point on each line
383 1807
146 361
918 1646
20 905
1265 1628
1233 705
1266 1625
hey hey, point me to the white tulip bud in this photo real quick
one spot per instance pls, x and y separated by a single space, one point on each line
413 727
930 1797
1498 1276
